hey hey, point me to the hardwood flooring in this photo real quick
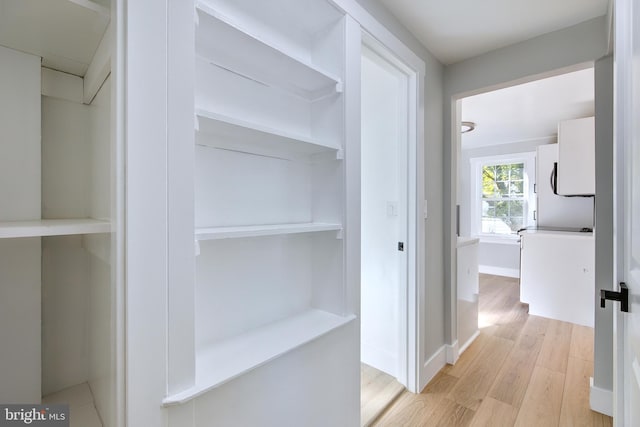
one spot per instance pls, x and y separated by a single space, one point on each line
522 370
377 391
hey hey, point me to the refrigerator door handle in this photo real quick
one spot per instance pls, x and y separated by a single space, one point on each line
554 178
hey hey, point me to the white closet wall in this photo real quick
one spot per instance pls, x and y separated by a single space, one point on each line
77 296
101 298
65 273
20 195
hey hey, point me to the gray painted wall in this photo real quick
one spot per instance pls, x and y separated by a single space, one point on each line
603 367
560 51
434 337
499 258
563 50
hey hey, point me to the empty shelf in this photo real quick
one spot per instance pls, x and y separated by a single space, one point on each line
249 56
52 227
214 233
231 358
234 132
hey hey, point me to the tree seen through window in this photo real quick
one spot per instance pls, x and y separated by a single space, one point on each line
503 198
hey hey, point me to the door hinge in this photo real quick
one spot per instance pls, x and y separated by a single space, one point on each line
401 246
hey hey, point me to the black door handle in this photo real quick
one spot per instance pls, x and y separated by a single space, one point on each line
622 296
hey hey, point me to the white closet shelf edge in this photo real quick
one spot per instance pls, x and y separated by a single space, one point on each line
214 233
52 227
232 358
214 123
301 78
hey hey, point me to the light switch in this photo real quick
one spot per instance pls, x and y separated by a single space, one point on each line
392 209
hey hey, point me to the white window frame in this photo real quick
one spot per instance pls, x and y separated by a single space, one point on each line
477 163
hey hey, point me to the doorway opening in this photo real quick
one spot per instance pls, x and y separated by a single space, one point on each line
503 187
385 228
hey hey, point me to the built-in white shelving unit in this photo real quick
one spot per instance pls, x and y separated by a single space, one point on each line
233 357
214 233
52 227
57 191
269 184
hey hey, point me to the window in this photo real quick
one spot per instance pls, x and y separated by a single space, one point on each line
503 198
503 202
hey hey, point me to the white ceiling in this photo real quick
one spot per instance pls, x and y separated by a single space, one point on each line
528 111
454 30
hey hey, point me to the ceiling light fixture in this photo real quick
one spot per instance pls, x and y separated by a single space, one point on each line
467 127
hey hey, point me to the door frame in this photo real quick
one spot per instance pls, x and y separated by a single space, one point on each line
407 279
374 32
623 57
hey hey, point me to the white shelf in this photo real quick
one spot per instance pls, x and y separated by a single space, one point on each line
214 233
226 45
234 357
52 227
239 134
68 31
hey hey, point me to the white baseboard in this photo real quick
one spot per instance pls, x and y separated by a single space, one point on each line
452 352
499 271
432 367
601 400
468 343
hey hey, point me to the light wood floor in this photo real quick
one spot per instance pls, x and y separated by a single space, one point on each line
377 391
522 370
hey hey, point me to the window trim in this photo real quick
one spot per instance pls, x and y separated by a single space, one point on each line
477 163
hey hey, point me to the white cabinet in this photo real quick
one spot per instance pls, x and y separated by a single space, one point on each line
57 284
576 157
557 275
270 187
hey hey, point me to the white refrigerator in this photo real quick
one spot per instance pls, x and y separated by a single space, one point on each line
553 210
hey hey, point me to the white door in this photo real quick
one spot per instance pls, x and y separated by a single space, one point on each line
627 202
384 215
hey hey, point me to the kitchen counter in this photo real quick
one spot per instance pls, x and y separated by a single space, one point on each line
466 241
557 230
